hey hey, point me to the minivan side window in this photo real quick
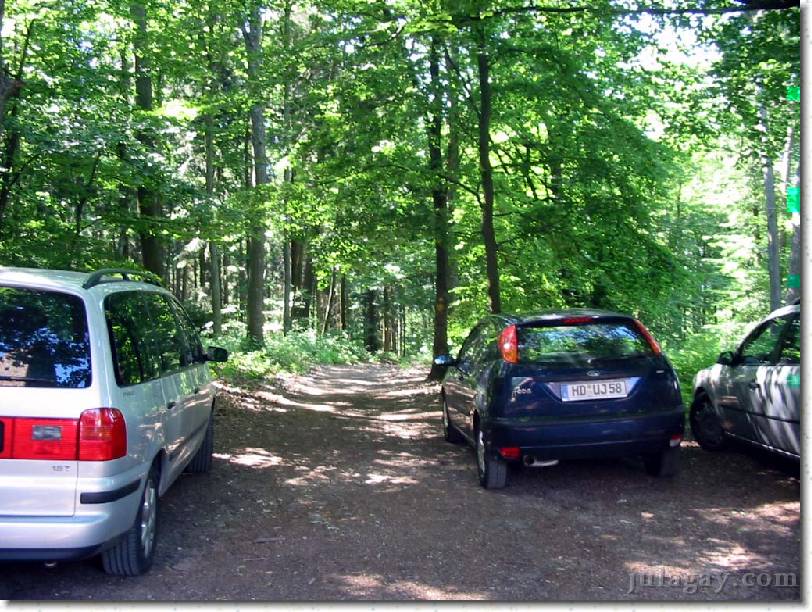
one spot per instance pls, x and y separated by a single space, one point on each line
127 327
192 347
165 338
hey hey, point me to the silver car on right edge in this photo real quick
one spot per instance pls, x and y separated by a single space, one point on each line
754 393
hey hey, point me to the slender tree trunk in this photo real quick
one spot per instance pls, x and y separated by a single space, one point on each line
773 253
370 322
214 251
344 298
795 256
486 175
329 306
286 247
256 234
440 200
149 204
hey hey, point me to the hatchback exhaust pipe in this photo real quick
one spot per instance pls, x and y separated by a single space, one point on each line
531 461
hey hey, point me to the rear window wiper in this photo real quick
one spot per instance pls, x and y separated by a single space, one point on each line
46 381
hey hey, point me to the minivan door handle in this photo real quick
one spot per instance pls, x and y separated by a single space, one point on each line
753 385
196 390
171 405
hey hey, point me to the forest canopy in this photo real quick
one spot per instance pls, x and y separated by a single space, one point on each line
381 174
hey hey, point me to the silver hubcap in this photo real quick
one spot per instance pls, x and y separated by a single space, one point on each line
480 451
148 508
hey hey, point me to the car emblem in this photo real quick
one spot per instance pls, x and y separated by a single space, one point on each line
593 373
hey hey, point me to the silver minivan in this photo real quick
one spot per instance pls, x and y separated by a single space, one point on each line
754 393
105 398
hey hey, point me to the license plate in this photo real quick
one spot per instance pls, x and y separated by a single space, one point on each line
593 389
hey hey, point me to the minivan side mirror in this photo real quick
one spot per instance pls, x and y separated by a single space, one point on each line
216 354
445 360
726 358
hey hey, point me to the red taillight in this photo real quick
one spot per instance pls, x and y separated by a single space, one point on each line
649 338
44 439
6 426
509 344
576 320
511 452
102 435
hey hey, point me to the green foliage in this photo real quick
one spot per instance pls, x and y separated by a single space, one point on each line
297 352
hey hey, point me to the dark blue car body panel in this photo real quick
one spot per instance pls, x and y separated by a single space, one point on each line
520 405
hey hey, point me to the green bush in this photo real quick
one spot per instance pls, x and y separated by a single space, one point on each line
297 352
700 351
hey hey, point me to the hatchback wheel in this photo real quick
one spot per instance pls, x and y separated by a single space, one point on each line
492 470
705 425
449 433
133 554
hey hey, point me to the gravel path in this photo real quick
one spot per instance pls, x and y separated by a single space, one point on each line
338 486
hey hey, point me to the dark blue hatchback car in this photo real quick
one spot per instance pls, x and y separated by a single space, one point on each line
562 385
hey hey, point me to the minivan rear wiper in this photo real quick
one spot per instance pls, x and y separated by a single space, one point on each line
30 379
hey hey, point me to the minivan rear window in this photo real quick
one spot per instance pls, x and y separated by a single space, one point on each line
581 344
43 339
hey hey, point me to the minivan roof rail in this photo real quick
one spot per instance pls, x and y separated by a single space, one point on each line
96 278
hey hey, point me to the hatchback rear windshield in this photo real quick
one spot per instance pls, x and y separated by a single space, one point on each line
43 339
581 344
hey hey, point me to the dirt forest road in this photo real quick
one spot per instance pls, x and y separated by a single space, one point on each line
339 486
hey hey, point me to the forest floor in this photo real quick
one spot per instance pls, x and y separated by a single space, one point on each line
339 486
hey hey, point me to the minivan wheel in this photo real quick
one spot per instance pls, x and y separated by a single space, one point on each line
134 552
449 433
705 425
663 464
201 462
492 470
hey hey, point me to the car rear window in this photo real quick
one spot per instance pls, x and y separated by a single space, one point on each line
581 344
43 339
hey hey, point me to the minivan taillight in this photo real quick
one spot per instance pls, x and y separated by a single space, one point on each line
44 439
649 338
102 435
509 344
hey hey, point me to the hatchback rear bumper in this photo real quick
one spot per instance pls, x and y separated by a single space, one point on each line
547 438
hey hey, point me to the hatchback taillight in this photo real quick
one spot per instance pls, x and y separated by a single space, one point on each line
509 344
102 435
99 434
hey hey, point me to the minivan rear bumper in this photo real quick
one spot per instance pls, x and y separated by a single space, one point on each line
548 438
59 538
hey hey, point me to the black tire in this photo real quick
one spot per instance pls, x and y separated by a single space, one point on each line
135 551
450 434
664 464
705 425
492 470
201 462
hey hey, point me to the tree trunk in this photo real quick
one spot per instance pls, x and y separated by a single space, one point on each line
773 261
149 204
329 306
486 175
370 322
344 298
256 234
286 247
795 256
440 199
